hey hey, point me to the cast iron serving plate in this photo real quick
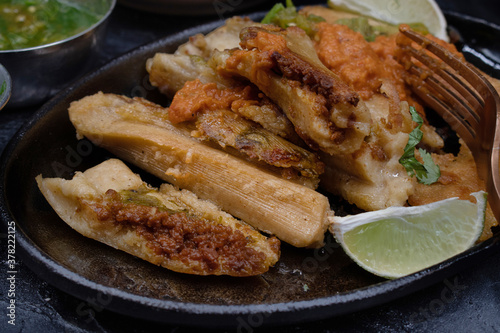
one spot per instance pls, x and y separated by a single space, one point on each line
305 285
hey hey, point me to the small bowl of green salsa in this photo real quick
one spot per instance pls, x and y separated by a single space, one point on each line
5 86
45 44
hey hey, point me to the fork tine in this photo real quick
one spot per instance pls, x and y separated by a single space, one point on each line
464 90
483 106
472 102
455 121
445 72
471 75
468 117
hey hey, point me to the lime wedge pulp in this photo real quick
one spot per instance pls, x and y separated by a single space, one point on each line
396 12
398 241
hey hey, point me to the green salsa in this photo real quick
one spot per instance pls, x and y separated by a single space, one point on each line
29 23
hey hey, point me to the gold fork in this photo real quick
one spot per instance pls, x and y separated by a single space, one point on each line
463 97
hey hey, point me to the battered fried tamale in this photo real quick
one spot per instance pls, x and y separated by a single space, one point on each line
326 113
139 132
165 226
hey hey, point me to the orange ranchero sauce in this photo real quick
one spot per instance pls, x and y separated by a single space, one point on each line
195 97
363 64
360 63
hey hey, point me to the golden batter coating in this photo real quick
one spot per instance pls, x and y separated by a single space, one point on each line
139 132
326 113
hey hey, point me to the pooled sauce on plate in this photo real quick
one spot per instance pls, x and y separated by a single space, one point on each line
25 24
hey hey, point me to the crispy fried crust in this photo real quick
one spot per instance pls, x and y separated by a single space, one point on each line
129 128
229 129
216 117
325 111
169 72
173 72
222 38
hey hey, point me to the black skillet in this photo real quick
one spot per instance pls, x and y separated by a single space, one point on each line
305 285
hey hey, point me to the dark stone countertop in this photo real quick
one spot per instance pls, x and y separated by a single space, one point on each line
467 302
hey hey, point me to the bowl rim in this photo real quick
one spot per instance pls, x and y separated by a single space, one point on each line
5 95
83 32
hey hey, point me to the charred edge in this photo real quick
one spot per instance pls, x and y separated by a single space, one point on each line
295 68
249 34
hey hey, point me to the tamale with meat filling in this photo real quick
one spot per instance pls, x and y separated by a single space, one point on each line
292 212
166 226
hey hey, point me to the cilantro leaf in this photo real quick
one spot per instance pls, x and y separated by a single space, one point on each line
3 87
428 172
433 172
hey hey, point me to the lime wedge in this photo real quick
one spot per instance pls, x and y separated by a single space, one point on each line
398 241
425 12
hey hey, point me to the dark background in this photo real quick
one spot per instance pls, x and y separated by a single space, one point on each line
467 302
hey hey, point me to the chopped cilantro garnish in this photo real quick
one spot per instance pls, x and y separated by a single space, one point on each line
286 16
3 87
428 172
